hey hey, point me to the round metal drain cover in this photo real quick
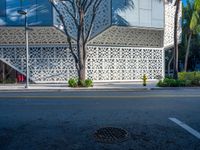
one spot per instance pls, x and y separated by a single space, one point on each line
111 135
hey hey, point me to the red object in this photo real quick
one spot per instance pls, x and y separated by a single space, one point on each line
20 78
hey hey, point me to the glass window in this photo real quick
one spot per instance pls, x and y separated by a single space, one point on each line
40 12
2 8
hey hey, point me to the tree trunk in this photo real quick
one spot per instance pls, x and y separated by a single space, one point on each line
169 64
175 75
187 52
82 68
82 73
82 63
80 48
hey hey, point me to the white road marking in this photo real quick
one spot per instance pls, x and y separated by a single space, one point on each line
186 127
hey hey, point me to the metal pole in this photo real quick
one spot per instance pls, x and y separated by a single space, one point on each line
3 72
27 52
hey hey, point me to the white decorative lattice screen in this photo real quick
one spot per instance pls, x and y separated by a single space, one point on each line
56 64
47 64
169 24
124 63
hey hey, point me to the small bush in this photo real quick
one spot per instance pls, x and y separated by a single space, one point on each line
88 83
187 79
188 83
180 83
81 83
161 84
171 83
73 83
195 82
191 77
169 77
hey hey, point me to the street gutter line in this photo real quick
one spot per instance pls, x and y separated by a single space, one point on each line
186 127
101 97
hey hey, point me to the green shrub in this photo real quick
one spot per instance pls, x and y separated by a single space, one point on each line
184 79
80 83
171 83
88 83
192 78
73 83
181 83
195 82
188 75
161 84
169 77
188 83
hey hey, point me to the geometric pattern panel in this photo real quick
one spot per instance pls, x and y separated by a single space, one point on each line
50 64
46 64
131 37
124 63
169 24
37 36
101 22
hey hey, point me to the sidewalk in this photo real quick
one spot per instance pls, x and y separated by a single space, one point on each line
136 86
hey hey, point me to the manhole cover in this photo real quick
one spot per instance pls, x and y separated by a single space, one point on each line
111 135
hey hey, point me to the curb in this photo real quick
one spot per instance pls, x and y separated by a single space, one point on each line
174 88
118 89
77 90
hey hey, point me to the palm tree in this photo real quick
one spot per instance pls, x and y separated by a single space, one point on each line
192 24
177 4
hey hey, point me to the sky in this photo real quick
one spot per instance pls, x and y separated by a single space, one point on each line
184 1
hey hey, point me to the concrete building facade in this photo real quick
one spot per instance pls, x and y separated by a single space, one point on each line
128 40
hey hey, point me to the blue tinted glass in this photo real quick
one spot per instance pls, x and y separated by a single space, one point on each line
39 12
44 12
118 5
2 8
12 17
30 6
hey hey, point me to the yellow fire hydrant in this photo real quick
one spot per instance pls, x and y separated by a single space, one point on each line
144 78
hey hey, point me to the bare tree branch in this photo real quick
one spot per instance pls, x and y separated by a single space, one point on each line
83 14
69 39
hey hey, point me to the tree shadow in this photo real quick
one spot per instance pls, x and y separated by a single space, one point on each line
121 6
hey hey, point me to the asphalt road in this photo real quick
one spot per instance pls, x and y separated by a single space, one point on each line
67 120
